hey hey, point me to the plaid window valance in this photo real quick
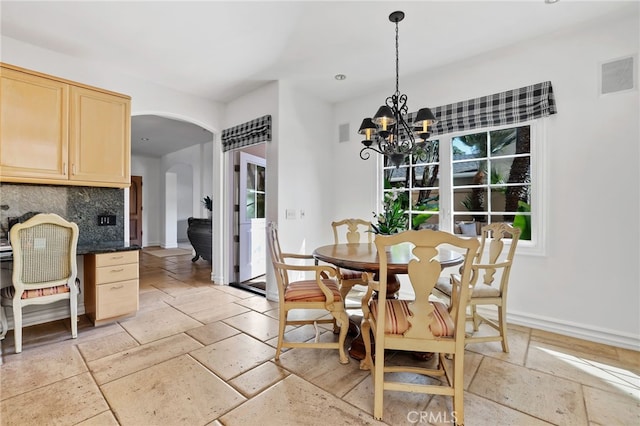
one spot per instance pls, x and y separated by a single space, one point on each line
245 134
513 106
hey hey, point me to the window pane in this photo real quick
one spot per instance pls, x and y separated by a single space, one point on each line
469 173
425 220
395 177
426 175
469 146
511 170
430 153
261 179
251 204
251 177
388 163
467 227
260 212
470 200
507 198
503 142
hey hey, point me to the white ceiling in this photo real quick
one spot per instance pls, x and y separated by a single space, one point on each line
223 49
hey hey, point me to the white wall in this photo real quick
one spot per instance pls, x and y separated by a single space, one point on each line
306 176
587 283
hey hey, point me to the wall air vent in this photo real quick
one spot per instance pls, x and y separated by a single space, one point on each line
617 75
343 132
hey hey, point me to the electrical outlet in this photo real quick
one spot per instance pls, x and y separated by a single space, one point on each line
107 220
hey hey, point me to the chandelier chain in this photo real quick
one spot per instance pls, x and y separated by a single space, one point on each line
397 60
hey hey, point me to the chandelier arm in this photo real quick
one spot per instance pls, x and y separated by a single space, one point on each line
365 154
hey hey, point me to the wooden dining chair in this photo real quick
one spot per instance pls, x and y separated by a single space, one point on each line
419 325
322 292
351 231
490 280
44 270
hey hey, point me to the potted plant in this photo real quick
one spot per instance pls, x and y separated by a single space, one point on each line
207 202
392 219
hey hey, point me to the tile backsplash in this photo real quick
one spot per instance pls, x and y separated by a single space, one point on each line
79 204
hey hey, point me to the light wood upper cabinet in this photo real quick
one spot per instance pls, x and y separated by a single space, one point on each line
33 126
100 141
55 131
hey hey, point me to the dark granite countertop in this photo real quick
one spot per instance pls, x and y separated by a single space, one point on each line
93 248
105 247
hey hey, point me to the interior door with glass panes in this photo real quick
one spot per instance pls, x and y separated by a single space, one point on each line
253 253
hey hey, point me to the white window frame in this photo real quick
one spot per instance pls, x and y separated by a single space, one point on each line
539 202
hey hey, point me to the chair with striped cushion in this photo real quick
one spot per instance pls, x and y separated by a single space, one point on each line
297 292
44 270
490 281
417 325
351 231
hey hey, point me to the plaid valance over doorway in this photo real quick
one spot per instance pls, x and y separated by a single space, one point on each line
245 134
513 106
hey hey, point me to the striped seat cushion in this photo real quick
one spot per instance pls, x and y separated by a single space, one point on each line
397 313
308 291
350 274
9 292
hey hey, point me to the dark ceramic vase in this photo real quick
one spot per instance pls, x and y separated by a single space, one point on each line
200 235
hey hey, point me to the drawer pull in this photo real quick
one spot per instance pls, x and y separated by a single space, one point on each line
116 257
117 270
117 287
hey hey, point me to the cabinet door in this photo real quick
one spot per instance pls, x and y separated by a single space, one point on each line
33 126
100 137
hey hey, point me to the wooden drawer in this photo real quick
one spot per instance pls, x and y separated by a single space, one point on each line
118 298
114 273
119 258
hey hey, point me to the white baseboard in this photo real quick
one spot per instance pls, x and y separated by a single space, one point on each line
580 331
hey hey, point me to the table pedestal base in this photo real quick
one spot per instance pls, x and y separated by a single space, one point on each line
357 349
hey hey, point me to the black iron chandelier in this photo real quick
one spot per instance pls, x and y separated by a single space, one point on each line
388 132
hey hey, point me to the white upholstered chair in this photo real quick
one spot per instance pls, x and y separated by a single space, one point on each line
351 231
44 270
490 280
419 325
322 292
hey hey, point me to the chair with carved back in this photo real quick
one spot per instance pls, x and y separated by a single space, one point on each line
44 270
295 291
351 231
419 324
490 281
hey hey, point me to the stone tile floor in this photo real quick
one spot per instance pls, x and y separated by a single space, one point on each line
201 354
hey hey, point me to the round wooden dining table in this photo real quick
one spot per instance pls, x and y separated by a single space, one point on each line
364 257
